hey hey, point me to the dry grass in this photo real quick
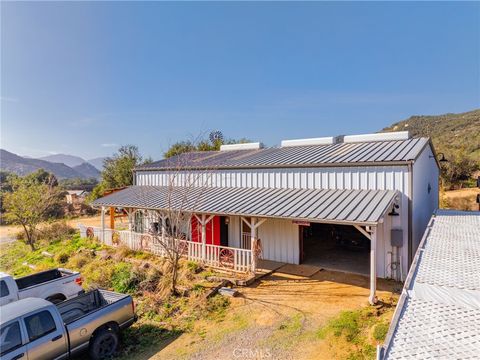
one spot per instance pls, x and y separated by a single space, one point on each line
462 199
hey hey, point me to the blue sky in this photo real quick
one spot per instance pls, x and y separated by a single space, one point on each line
81 78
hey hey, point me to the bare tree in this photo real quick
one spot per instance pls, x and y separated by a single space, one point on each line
180 200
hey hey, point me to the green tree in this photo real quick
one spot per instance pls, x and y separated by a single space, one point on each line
118 170
181 147
30 203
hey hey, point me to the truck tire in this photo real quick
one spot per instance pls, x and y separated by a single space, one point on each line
103 344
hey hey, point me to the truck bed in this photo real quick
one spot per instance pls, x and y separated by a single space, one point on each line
82 305
40 278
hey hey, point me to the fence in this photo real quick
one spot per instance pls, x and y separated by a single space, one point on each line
222 257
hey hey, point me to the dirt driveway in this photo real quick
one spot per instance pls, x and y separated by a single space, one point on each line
278 318
8 232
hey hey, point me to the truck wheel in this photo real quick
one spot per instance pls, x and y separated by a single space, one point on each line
103 344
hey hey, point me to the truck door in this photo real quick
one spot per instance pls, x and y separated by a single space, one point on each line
11 342
46 336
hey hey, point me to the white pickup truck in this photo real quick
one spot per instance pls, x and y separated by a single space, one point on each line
54 285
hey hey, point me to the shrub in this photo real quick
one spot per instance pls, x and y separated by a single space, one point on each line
79 260
56 231
125 279
62 257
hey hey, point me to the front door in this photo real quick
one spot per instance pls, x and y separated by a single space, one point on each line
223 231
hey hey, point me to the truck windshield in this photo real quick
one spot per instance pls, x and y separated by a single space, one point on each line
10 337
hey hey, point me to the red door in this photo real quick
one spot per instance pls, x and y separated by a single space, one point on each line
212 231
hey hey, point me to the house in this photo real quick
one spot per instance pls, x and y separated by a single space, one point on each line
76 196
357 203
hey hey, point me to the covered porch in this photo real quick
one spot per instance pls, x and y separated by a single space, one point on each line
261 223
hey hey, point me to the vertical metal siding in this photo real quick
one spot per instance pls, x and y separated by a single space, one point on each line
367 178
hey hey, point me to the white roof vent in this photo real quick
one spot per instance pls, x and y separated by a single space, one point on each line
387 136
244 146
312 141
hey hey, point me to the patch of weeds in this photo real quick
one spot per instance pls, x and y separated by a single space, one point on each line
217 307
347 324
358 330
194 267
197 287
380 331
143 335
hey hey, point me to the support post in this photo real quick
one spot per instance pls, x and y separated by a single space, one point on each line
162 227
204 237
253 240
253 224
112 218
373 266
102 223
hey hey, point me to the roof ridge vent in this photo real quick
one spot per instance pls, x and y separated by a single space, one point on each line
243 146
386 136
329 140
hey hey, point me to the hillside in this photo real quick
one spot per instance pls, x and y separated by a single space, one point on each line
22 166
68 160
87 170
97 162
450 133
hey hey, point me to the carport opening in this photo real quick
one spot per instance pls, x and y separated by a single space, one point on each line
335 247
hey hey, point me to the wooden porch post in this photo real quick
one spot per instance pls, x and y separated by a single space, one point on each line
204 220
112 218
204 237
254 224
373 266
102 223
163 226
253 242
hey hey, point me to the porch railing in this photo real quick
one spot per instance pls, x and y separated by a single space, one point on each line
222 257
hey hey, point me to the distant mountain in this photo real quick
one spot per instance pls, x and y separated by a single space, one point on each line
97 162
87 170
450 133
68 160
23 166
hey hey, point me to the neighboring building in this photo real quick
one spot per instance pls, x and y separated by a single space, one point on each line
438 313
319 201
76 196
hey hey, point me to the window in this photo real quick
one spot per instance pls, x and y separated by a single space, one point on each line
4 289
39 324
10 338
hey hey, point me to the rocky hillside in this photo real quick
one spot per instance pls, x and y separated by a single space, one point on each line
22 166
451 134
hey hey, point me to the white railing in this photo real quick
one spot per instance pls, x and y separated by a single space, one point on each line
222 257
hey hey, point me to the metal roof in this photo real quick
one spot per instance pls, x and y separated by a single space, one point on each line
373 152
438 314
333 206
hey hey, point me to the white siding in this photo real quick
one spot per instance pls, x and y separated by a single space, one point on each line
424 202
354 177
279 239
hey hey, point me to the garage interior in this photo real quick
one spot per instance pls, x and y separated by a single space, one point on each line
335 247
